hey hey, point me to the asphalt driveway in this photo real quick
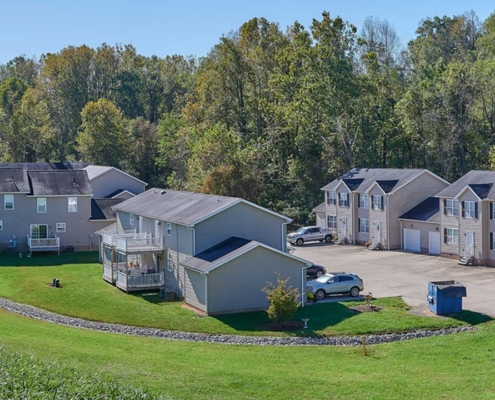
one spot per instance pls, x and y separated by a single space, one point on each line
396 273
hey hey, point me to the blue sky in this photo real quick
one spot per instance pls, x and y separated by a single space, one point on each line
192 27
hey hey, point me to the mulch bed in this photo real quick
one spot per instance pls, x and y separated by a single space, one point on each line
283 327
365 308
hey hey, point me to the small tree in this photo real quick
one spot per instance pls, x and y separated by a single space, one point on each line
283 300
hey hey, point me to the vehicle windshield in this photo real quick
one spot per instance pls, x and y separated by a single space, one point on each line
301 230
323 278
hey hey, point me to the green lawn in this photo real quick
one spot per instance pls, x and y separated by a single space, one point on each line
85 295
452 367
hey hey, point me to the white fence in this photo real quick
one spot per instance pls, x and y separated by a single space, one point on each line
44 243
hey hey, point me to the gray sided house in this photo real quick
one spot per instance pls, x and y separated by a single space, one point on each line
205 248
364 205
111 182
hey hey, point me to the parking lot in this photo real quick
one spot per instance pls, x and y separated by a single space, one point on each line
395 273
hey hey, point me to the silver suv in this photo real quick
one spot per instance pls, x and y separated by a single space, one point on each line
335 283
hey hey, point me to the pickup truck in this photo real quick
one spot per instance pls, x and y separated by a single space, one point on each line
308 234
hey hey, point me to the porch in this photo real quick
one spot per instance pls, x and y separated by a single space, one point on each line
43 244
132 242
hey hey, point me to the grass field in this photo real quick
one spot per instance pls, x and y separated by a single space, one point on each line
85 295
452 367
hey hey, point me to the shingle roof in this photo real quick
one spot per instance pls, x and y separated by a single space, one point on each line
47 166
353 184
183 208
219 253
475 178
370 175
427 210
59 183
102 208
121 193
96 170
320 208
14 180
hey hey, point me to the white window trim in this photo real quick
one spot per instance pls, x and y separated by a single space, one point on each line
1 225
451 238
131 219
5 202
452 209
73 205
334 222
169 229
38 205
31 230
468 212
60 225
364 200
376 202
344 199
331 198
364 223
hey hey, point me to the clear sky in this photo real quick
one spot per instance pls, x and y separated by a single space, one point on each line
189 27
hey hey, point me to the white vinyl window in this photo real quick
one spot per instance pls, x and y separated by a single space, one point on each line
41 205
1 225
169 228
331 198
131 219
72 204
451 207
170 262
364 225
364 201
343 199
8 202
61 227
39 231
331 221
451 236
376 202
469 209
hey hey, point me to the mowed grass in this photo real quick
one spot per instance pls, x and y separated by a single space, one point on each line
451 367
84 294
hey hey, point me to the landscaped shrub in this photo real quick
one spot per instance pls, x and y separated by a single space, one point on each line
283 300
24 377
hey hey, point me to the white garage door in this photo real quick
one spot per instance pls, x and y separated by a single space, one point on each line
434 243
412 239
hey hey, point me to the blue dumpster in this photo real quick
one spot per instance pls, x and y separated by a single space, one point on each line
445 297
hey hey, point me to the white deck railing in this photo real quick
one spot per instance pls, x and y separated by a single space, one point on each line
43 243
140 280
107 270
110 237
139 242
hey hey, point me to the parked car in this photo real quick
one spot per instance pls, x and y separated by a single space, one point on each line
315 271
308 234
336 283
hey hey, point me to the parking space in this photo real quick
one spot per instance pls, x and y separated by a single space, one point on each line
395 273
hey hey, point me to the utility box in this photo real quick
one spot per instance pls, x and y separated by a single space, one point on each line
445 297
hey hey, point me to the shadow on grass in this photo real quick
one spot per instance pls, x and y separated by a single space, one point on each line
320 316
47 259
153 297
472 318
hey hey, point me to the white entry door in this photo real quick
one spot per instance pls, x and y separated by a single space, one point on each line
412 239
157 229
434 243
140 224
377 235
343 227
469 243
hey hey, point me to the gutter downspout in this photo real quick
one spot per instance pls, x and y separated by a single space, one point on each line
193 240
388 221
352 219
401 243
284 236
206 292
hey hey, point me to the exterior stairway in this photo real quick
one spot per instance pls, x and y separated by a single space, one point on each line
466 260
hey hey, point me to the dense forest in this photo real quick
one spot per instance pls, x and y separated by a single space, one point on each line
268 115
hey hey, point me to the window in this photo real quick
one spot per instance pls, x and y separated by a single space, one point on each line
469 209
170 262
377 202
332 221
39 231
60 227
131 219
41 204
8 202
169 228
451 207
492 244
451 236
72 204
364 201
364 225
1 225
343 200
331 198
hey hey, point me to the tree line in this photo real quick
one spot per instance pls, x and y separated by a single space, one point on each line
269 115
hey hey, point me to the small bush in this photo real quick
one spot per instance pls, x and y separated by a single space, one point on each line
283 300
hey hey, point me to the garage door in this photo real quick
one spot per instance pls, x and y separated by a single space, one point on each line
434 243
412 240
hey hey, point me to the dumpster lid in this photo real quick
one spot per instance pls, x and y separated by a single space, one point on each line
445 284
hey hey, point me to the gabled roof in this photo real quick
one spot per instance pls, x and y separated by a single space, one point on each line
477 181
94 171
320 208
385 175
14 180
428 210
225 251
59 183
183 208
121 194
102 208
353 184
46 166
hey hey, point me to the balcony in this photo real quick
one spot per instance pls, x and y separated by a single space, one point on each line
136 280
45 244
132 242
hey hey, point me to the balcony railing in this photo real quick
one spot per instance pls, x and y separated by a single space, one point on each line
139 243
132 281
47 243
110 237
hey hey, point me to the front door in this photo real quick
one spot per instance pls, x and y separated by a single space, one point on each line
39 232
378 232
469 243
157 229
343 227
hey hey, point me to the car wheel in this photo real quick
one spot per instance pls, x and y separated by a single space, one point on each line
320 294
328 238
355 291
299 242
319 273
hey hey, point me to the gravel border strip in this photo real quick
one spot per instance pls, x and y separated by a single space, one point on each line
37 313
